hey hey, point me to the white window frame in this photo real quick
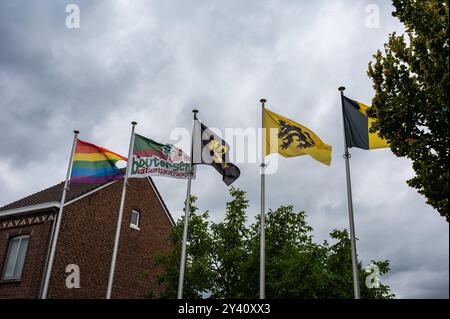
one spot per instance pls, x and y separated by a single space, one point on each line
135 226
8 252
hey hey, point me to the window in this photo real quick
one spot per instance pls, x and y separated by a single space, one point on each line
15 257
135 219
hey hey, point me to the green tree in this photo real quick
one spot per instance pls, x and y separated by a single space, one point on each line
223 258
229 253
411 103
198 273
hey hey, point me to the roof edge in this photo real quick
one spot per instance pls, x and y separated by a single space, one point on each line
161 201
43 206
89 193
33 208
29 209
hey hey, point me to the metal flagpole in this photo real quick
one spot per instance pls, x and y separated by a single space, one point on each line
187 209
119 220
58 219
350 206
262 239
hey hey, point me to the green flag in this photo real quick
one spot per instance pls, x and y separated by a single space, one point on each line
151 158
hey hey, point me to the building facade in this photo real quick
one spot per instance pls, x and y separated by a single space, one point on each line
85 242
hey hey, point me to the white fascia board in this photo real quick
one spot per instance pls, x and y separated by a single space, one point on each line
88 193
28 209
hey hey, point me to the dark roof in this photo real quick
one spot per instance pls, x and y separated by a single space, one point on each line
54 194
51 194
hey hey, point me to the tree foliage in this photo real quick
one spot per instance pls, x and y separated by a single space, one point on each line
411 82
223 258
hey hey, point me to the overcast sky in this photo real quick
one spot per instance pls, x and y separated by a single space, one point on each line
154 61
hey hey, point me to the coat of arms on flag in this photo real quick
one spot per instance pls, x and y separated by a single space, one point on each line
151 158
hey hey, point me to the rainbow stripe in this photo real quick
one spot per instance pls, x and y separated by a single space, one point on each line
93 164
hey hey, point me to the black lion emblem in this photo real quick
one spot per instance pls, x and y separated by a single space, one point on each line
289 134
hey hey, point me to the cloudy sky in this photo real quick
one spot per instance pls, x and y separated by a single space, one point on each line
154 61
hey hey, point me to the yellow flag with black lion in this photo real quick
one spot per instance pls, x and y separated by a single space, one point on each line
293 139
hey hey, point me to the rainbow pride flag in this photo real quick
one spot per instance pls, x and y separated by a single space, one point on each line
93 164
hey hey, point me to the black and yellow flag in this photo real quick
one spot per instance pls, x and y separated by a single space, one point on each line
210 149
293 139
357 125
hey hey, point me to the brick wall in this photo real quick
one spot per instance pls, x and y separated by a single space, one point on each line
139 248
29 284
87 239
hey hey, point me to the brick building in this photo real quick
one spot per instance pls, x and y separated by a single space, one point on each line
86 239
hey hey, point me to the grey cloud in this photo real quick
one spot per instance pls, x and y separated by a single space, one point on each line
154 61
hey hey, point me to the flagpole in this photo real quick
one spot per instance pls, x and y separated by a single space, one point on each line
350 206
262 240
58 219
187 209
119 220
